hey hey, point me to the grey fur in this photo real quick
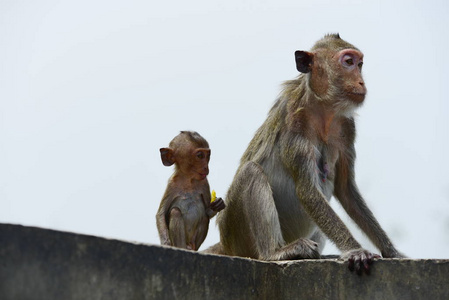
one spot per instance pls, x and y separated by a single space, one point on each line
278 203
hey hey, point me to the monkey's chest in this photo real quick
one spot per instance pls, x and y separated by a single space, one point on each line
324 171
193 210
294 221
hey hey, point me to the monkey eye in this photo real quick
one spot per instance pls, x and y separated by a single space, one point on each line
360 64
200 155
349 61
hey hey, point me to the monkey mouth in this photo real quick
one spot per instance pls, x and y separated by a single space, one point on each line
203 176
358 93
358 97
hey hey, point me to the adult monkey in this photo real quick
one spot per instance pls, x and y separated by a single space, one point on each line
277 205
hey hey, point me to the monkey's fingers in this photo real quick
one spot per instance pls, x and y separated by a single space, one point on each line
351 264
218 205
357 264
360 261
366 263
374 256
358 267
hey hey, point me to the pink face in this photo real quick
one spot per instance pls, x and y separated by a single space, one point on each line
201 158
350 63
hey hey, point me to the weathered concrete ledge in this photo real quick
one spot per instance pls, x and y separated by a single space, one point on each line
45 264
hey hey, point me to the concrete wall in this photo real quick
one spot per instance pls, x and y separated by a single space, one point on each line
44 264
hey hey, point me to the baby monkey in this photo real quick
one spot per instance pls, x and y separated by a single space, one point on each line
184 213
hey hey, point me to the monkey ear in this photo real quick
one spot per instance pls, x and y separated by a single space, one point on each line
167 156
304 61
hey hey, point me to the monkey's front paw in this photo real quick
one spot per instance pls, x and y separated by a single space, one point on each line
218 205
359 260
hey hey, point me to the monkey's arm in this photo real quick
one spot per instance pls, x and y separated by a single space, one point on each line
330 224
347 193
302 165
321 212
161 220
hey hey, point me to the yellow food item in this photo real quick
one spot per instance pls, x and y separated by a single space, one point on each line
213 196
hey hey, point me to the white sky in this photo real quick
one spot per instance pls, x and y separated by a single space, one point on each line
90 90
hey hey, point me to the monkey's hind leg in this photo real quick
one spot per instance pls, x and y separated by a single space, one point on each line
251 224
176 229
215 249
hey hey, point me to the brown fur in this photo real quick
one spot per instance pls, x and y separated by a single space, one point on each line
184 213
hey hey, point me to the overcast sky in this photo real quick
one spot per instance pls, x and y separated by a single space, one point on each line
90 90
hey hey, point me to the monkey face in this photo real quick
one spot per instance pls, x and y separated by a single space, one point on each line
194 162
200 159
349 64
